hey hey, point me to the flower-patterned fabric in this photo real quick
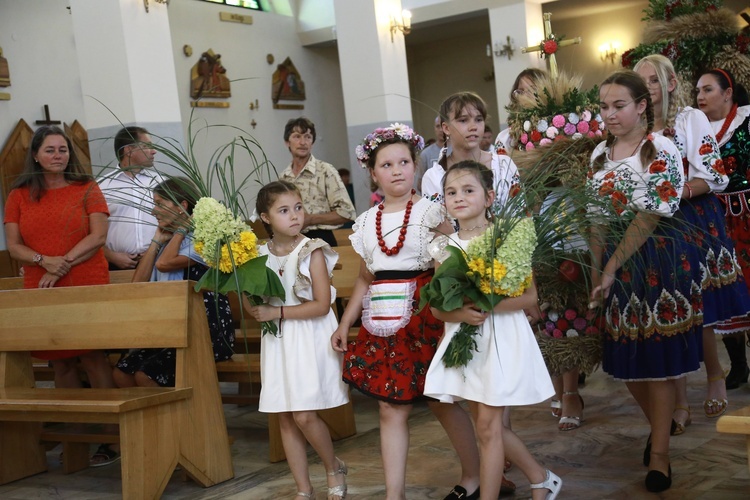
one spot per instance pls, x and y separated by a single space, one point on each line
654 310
633 187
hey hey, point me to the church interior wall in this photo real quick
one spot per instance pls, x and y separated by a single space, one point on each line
43 66
443 67
621 25
243 50
42 62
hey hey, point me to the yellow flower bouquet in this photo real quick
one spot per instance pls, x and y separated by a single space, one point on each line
230 249
496 265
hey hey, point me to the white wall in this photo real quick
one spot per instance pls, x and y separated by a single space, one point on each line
243 50
37 40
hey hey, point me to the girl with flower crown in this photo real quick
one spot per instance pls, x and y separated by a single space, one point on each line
389 359
300 374
725 295
652 304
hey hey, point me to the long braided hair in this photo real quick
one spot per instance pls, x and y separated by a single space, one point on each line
638 92
665 73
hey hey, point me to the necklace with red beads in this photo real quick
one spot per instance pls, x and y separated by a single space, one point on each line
727 122
402 236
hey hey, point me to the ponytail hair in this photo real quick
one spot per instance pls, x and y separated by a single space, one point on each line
665 73
638 92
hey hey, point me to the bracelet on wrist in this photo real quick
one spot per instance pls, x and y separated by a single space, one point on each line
281 312
181 230
158 243
690 190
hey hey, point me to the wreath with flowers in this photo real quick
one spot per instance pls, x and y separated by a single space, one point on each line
696 35
380 135
546 118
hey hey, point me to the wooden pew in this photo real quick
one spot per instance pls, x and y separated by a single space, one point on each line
342 237
737 422
159 427
42 370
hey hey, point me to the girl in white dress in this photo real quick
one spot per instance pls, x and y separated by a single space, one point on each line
507 367
300 373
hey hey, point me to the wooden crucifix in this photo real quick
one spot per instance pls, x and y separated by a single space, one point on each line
47 120
549 36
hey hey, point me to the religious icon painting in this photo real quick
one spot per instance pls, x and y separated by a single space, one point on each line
4 76
287 85
208 77
4 71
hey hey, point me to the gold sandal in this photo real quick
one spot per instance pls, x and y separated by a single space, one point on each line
679 428
340 489
714 408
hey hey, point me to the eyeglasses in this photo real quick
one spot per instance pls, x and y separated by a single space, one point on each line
654 82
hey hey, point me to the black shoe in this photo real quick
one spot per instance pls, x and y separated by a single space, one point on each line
647 452
656 481
737 376
459 493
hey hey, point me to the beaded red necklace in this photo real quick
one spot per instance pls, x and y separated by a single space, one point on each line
727 122
401 237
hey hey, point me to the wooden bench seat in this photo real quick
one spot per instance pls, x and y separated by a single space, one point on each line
245 370
159 427
737 422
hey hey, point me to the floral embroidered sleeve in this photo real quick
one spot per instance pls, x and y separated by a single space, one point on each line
506 179
701 157
661 184
627 186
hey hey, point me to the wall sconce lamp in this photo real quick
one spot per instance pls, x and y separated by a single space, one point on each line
145 3
504 50
404 26
609 51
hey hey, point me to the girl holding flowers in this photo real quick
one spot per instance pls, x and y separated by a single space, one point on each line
725 296
300 374
652 303
389 359
505 366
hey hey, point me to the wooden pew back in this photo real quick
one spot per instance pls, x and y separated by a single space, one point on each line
134 315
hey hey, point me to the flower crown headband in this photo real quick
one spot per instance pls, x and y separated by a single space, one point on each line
381 135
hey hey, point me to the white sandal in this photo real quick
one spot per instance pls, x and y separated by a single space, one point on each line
553 483
340 489
305 495
556 407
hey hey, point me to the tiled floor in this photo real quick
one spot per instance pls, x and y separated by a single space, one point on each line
601 460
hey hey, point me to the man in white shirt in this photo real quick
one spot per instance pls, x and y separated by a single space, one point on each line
129 197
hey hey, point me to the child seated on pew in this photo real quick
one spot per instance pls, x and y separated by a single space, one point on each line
171 257
299 371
